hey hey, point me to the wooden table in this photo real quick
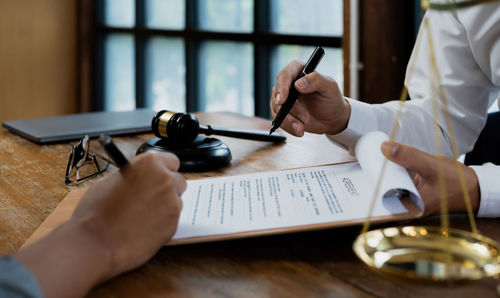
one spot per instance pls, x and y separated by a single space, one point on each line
308 264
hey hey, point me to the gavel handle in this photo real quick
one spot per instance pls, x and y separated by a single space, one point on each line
256 135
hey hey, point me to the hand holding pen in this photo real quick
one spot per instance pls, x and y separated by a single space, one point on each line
320 107
293 94
113 151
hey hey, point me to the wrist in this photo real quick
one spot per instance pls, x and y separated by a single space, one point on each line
474 189
341 121
96 246
69 261
347 114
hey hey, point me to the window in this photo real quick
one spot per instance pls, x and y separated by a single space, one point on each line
208 55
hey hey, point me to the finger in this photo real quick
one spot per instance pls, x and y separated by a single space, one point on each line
316 82
272 101
284 80
410 158
300 112
293 126
274 110
417 179
171 161
181 183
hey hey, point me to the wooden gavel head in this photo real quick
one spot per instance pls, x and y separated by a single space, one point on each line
178 128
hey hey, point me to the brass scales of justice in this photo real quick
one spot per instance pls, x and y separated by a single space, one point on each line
427 252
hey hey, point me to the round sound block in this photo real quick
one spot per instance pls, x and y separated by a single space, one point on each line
203 154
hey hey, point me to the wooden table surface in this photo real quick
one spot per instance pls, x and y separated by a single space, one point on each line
311 264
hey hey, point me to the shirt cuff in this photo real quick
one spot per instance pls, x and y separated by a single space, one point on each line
487 175
361 121
16 280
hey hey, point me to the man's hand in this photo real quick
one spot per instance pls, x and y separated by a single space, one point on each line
136 211
426 166
119 224
320 108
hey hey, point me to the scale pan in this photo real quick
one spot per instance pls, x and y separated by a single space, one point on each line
429 253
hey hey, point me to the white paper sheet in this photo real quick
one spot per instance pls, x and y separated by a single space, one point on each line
396 178
286 198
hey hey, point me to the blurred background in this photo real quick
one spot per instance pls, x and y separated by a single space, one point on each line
68 56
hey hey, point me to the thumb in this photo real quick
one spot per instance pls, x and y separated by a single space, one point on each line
409 157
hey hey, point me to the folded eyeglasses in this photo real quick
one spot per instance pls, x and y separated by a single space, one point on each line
82 164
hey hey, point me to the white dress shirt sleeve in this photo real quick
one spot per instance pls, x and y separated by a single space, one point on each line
467 48
488 176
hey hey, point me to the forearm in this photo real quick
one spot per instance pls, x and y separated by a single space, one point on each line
68 262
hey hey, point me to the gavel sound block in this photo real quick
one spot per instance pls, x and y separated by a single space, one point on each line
178 133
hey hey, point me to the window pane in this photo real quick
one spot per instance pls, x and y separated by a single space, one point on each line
165 14
226 15
119 73
119 13
331 64
165 74
226 77
315 17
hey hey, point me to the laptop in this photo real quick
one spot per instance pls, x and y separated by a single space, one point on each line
74 126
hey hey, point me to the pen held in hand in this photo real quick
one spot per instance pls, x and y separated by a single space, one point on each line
293 94
113 151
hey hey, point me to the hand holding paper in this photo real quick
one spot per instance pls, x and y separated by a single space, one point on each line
396 179
426 179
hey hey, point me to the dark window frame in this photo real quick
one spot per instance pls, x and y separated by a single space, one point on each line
386 38
261 38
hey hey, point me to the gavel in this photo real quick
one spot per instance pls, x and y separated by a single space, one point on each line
183 128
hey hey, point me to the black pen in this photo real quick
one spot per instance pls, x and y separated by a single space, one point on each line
113 151
293 94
